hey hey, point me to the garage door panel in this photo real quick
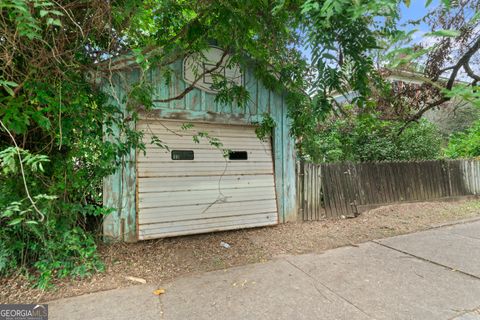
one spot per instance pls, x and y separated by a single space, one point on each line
201 198
204 215
206 221
155 234
168 184
175 128
207 193
189 134
152 215
147 135
204 155
203 169
218 207
227 141
196 226
205 145
181 198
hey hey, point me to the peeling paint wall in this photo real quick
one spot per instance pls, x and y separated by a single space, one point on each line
119 189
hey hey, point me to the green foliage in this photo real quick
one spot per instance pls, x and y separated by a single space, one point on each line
48 240
342 34
70 253
470 94
367 138
65 185
53 152
63 168
446 72
265 128
465 144
10 156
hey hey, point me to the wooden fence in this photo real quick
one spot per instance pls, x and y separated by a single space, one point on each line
346 189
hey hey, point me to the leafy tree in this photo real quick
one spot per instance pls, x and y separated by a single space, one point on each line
367 138
465 144
453 118
444 61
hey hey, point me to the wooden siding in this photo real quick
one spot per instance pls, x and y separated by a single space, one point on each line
119 189
182 196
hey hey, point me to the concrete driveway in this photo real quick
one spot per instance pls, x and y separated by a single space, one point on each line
427 275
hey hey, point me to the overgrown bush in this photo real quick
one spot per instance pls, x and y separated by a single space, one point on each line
465 144
53 155
367 138
47 199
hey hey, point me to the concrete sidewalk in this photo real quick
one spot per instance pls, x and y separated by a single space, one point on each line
427 275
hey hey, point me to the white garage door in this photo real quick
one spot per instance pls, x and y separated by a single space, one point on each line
194 188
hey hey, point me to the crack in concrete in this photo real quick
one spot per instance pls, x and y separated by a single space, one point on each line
426 260
161 307
454 223
315 281
464 312
464 236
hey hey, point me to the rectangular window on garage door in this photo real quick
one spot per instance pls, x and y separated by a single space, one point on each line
182 155
238 155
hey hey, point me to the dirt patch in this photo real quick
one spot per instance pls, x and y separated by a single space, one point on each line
158 261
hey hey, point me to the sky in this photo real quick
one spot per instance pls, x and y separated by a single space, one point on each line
417 10
414 11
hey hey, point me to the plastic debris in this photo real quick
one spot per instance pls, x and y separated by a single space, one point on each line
225 245
159 291
136 279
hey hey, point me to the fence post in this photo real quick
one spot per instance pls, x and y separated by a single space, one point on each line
449 177
300 189
320 212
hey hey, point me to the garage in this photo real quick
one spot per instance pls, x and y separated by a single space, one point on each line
187 187
180 187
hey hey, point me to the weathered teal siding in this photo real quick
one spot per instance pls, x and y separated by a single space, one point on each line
120 188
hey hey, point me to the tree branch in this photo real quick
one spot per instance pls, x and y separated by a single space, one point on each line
462 62
192 85
151 48
470 72
420 113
